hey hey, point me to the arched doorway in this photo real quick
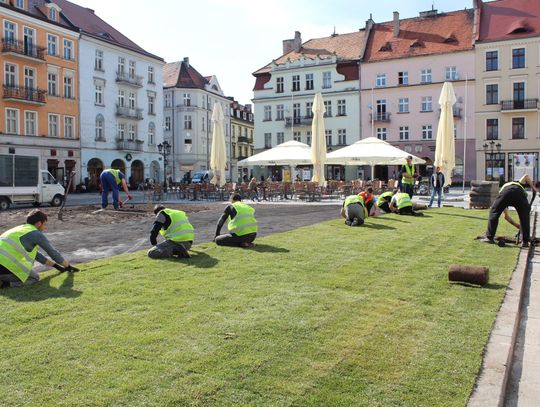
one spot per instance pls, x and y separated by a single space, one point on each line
119 164
137 173
94 168
154 171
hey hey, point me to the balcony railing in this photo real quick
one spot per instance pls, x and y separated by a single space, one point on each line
298 121
129 113
129 145
379 117
519 104
135 80
21 93
20 48
242 139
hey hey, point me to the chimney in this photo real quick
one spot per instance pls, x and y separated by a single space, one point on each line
186 61
297 41
370 22
248 107
396 24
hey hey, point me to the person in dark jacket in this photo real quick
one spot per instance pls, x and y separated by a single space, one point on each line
436 183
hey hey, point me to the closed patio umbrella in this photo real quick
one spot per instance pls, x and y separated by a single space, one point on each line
445 155
218 156
318 140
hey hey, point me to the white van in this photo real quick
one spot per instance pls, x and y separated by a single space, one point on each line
22 181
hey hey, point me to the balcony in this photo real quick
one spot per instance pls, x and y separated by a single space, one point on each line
298 121
456 110
242 139
23 94
129 145
135 80
380 117
128 113
525 104
19 48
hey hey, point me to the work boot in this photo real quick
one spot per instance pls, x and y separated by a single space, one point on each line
525 244
246 245
486 239
348 222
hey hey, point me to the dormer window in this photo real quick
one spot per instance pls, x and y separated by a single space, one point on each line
386 47
416 44
19 4
53 15
451 39
519 27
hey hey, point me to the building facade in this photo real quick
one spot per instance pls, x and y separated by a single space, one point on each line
39 108
242 126
405 65
120 101
508 89
284 92
189 100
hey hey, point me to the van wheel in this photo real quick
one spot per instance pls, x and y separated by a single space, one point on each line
36 204
57 200
4 204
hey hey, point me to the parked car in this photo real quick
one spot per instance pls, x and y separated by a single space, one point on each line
201 176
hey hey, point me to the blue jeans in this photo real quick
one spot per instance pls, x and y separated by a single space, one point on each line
108 183
439 193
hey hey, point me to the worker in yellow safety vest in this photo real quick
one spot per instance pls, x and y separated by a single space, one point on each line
408 175
110 180
354 210
401 203
242 224
176 230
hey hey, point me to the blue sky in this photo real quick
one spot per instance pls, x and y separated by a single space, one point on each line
233 38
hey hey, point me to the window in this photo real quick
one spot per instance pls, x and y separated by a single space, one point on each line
187 122
132 69
296 113
295 83
381 80
120 131
280 138
308 138
519 93
167 100
121 67
52 84
492 94
297 136
427 132
403 78
425 76
187 99
280 112
53 125
131 99
403 132
151 104
267 113
518 58
10 31
151 74
327 80
168 123
132 132
426 104
53 14
341 108
19 4
492 129
203 123
328 107
403 105
68 49
492 60
98 95
151 134
342 137
30 123
279 85
451 73
381 133
121 98
98 61
328 137
69 127
10 74
29 78
518 128
12 121
267 140
68 87
52 44
309 81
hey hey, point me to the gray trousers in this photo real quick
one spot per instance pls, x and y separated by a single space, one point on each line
168 249
354 211
233 240
14 281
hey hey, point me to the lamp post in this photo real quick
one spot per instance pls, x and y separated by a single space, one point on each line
164 150
492 146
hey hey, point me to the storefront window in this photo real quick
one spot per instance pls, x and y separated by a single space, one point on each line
495 167
520 164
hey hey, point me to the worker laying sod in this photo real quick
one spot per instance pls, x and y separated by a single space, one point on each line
320 315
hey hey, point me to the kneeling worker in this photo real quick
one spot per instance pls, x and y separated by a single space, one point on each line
383 200
242 224
368 197
175 228
511 194
401 203
354 210
19 250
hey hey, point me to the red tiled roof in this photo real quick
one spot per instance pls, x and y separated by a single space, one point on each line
346 47
508 19
442 33
180 75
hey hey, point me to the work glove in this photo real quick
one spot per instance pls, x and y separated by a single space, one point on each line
69 268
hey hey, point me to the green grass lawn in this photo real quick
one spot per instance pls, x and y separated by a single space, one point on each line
324 315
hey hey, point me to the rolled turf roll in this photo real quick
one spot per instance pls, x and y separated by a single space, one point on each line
468 274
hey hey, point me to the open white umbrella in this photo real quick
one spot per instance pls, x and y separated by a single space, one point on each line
289 153
318 140
218 156
445 154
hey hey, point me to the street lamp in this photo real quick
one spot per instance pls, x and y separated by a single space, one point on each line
492 146
164 150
